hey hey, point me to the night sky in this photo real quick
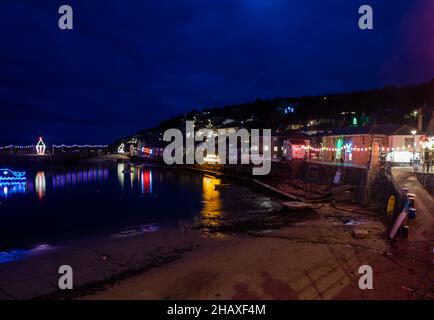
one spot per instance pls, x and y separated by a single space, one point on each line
129 64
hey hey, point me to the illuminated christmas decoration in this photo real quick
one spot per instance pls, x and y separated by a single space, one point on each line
40 147
121 148
348 147
428 143
80 146
289 109
355 122
339 147
12 182
147 151
9 175
17 147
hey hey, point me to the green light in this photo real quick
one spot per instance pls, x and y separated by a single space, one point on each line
339 146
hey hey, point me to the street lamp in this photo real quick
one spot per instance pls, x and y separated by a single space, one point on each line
413 132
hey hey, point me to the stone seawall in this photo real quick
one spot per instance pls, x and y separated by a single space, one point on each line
314 172
427 180
385 186
372 188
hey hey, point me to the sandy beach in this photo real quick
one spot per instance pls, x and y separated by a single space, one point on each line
305 261
315 258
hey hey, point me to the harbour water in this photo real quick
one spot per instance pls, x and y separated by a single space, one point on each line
57 205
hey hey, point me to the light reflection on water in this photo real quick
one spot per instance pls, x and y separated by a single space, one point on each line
93 199
18 254
138 176
121 177
10 188
77 177
141 176
38 185
13 255
146 181
211 211
58 180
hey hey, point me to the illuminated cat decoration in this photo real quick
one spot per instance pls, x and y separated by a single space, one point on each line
121 148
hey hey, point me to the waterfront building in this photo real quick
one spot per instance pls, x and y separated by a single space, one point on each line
404 147
150 146
288 145
355 145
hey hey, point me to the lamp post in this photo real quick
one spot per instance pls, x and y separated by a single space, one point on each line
413 132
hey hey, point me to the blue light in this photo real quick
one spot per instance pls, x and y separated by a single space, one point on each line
13 255
289 109
12 187
349 147
9 175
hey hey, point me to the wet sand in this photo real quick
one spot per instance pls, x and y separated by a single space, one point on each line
315 259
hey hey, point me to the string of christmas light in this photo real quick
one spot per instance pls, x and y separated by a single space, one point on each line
17 147
366 149
80 146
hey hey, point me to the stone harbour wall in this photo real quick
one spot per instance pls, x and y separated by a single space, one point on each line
317 173
372 188
385 186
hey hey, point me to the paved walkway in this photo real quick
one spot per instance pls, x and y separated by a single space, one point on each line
422 228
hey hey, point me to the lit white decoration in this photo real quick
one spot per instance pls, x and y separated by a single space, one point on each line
429 144
80 146
121 148
40 147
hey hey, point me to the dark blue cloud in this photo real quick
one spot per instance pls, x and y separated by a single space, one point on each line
129 64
